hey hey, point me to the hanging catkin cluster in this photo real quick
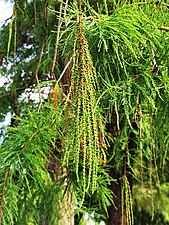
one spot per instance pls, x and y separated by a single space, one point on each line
86 146
126 201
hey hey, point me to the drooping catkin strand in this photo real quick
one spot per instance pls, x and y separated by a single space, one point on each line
126 202
86 151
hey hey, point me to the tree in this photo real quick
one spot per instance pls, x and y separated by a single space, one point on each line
100 131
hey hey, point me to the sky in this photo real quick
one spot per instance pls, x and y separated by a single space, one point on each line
5 11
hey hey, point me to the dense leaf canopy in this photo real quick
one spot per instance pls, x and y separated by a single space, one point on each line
87 87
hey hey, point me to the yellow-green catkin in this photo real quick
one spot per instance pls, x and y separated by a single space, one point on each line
13 18
87 151
126 201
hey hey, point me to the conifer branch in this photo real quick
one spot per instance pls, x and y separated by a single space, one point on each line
9 166
3 193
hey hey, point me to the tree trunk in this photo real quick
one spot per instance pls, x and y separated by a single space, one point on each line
63 211
115 211
66 209
63 203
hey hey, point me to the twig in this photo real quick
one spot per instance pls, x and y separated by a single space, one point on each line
164 4
34 6
36 74
66 5
41 53
164 28
64 70
56 44
138 119
154 68
151 164
4 21
154 57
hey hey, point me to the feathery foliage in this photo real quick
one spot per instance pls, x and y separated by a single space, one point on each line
109 111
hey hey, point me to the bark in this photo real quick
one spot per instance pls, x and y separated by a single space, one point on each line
63 204
67 210
115 211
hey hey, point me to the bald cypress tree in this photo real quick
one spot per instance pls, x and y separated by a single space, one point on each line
87 88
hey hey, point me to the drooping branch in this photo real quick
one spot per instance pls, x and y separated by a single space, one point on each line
3 193
14 160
